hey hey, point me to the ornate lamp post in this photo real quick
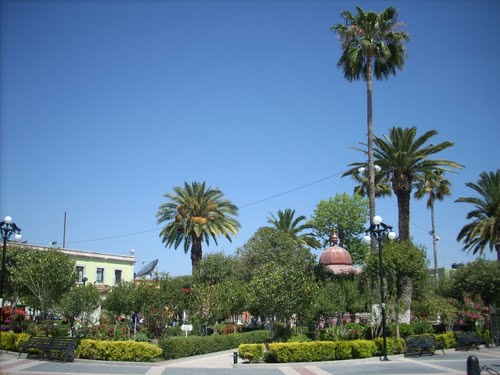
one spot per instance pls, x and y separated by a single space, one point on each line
7 226
378 229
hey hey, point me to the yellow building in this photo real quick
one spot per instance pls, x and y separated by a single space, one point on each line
101 269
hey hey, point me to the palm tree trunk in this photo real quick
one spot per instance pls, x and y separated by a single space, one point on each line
434 243
403 214
196 251
497 248
369 113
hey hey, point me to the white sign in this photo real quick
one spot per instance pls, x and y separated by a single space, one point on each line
187 327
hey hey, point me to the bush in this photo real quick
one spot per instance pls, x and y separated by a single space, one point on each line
421 327
322 350
299 338
11 341
448 340
118 350
180 347
252 352
394 346
343 350
363 348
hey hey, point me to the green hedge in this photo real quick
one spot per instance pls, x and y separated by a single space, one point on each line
118 350
180 347
252 352
11 341
322 350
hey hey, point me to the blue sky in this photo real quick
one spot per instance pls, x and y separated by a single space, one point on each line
106 105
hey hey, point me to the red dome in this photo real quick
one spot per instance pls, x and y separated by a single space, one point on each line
337 258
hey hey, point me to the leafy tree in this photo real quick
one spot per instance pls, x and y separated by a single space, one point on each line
484 229
346 214
119 300
481 278
279 273
45 276
217 291
288 223
433 185
215 268
79 304
372 46
194 214
405 265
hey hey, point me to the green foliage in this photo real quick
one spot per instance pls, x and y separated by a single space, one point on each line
363 348
119 300
118 350
481 277
342 350
252 352
46 275
11 341
218 302
448 339
279 275
394 345
215 268
421 327
288 223
346 214
299 338
79 304
179 347
484 230
195 214
405 264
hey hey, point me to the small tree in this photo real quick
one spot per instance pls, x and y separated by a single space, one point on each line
45 276
348 215
78 306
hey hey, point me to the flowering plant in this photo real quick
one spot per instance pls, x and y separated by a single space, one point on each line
472 310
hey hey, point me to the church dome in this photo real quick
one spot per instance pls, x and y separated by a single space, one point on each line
336 258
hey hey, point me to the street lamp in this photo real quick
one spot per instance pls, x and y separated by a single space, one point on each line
378 229
7 227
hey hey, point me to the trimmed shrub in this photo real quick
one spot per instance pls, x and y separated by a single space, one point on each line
118 350
448 339
252 352
394 346
11 341
180 347
363 348
343 350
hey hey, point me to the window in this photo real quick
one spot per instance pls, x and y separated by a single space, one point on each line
100 276
80 270
118 276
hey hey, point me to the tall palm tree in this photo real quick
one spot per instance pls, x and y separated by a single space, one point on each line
433 185
194 214
372 45
287 222
404 157
484 230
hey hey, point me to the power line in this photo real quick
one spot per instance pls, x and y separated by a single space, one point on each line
243 206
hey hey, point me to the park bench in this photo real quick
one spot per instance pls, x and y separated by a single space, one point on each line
62 348
469 340
422 344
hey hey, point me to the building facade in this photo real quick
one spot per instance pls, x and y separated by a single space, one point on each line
101 269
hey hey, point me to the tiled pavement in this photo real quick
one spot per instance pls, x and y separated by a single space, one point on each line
454 362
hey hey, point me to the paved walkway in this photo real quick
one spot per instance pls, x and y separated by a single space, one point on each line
221 363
